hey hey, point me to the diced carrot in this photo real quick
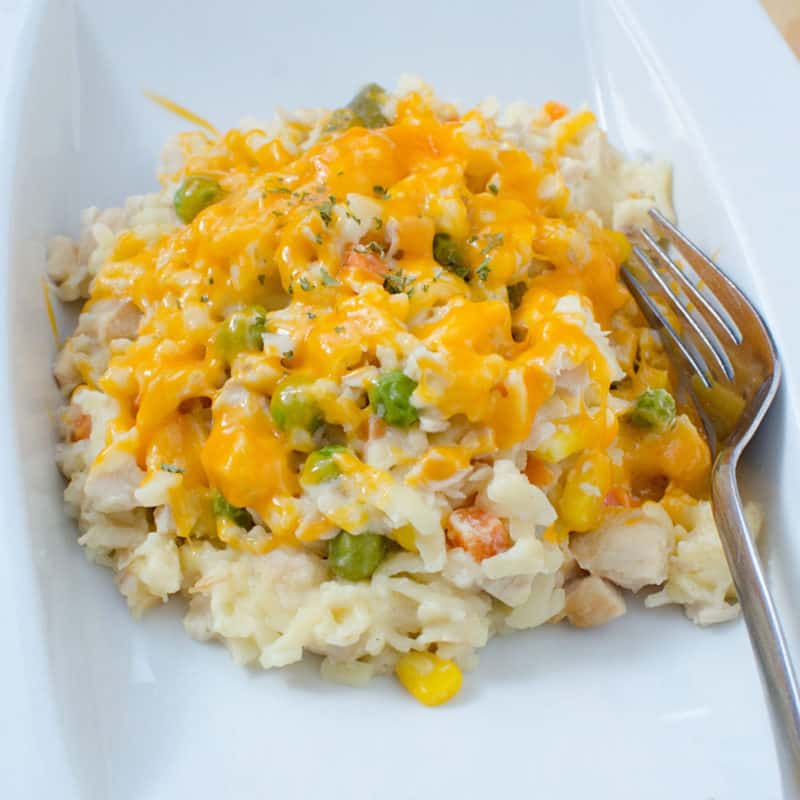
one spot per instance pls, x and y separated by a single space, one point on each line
478 532
537 472
617 496
366 266
80 427
377 427
555 110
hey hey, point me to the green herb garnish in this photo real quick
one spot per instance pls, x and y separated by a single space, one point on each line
447 253
173 468
398 282
327 278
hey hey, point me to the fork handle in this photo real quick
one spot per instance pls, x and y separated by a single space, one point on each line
765 631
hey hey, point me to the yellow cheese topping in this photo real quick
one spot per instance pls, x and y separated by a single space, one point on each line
324 241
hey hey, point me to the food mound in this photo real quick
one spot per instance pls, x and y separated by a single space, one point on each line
365 383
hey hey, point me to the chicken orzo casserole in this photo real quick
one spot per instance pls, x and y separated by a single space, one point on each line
365 383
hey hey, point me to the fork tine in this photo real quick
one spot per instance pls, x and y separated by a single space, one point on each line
707 336
703 295
691 251
695 360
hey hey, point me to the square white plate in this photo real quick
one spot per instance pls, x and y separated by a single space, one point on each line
95 705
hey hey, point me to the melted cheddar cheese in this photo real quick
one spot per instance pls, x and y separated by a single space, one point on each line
330 234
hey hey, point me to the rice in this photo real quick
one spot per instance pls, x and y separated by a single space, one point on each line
507 490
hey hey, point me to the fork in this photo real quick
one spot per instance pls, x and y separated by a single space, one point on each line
697 308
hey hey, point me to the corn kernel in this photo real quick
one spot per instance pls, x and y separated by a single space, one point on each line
537 472
405 537
556 533
563 443
588 481
432 680
652 377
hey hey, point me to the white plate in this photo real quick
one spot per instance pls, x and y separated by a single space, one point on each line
96 705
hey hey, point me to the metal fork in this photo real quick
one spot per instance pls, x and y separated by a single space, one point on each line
732 373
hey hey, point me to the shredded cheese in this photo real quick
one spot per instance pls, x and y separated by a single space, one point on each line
332 237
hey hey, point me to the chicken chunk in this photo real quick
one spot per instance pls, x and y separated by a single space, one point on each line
85 355
70 265
79 358
76 425
64 268
593 601
631 548
112 482
110 319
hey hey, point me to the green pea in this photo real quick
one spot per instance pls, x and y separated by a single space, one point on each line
242 331
447 253
195 193
222 508
355 558
390 398
654 408
364 110
321 466
292 406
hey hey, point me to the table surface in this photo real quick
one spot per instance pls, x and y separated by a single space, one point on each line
786 15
